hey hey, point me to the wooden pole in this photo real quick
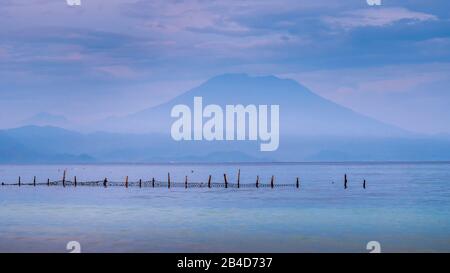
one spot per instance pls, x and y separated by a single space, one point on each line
140 183
186 182
105 182
126 182
257 181
34 181
298 183
272 182
209 181
168 180
345 181
153 182
64 179
48 182
239 179
75 181
19 181
225 180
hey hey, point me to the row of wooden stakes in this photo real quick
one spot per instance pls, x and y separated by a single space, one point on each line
186 184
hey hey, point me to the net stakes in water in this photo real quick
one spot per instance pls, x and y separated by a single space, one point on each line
152 183
167 184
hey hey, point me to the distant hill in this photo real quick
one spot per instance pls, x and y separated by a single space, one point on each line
35 144
47 144
302 113
46 119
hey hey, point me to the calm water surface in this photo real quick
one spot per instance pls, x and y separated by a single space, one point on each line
406 207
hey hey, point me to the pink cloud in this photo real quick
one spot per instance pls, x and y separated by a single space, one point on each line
118 71
376 17
3 53
70 57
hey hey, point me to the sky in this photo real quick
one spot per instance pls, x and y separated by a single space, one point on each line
116 57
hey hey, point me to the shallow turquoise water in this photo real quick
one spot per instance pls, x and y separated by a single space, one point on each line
406 207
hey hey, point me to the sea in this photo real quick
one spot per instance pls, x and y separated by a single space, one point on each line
405 207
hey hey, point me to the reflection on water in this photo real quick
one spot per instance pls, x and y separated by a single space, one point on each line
405 207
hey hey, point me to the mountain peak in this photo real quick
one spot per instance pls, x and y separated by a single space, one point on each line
239 76
243 78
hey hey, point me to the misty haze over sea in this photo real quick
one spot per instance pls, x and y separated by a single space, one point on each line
311 129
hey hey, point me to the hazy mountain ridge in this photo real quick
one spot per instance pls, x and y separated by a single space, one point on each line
312 129
46 119
17 148
34 144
